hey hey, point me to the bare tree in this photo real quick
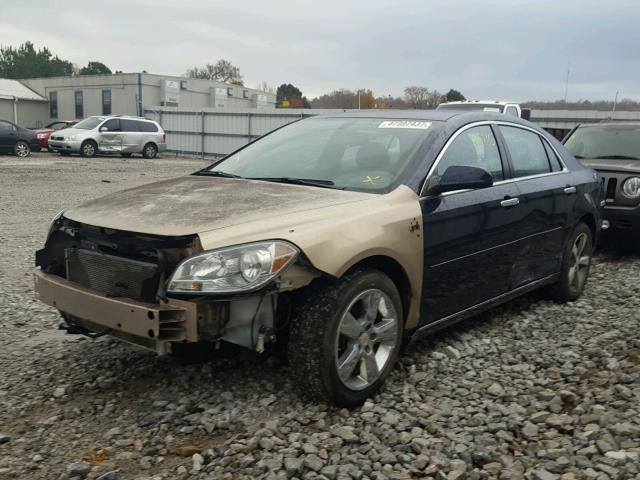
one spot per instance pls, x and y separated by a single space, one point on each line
222 71
265 87
417 97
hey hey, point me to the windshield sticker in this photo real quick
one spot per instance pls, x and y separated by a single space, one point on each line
405 124
491 109
370 179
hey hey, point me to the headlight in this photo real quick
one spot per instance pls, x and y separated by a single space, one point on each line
233 269
71 138
631 187
42 135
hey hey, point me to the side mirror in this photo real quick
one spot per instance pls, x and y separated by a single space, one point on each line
525 114
104 129
462 178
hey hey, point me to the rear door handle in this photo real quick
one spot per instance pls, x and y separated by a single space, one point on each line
569 190
509 202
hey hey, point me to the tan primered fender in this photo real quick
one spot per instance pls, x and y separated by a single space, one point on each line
337 237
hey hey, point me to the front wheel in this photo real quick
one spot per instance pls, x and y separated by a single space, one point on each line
576 264
89 149
22 149
345 338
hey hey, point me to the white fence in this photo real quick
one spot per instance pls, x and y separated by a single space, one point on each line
213 133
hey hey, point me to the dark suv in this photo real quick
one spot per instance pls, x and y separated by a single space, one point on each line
613 150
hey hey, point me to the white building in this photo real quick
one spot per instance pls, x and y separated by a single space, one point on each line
73 98
21 105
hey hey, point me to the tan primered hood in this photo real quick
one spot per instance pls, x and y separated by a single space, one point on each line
193 204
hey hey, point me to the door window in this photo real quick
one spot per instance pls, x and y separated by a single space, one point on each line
527 151
112 125
475 147
129 125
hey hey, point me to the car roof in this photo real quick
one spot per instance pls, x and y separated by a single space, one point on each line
480 102
455 116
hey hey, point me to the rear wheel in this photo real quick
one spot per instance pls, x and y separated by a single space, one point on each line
345 338
150 151
89 149
576 264
22 149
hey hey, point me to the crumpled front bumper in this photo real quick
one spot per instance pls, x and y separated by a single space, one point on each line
149 325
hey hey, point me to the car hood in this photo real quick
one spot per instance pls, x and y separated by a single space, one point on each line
605 164
72 131
197 204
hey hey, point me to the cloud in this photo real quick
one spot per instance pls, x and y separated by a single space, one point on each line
486 49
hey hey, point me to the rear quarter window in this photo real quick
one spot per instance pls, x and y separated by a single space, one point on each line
147 127
129 125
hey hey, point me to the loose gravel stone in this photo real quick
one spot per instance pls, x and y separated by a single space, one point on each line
531 390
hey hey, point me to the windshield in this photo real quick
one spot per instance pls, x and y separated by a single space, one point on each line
89 123
487 107
353 153
611 141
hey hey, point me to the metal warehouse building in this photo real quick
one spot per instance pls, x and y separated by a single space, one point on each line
20 105
73 98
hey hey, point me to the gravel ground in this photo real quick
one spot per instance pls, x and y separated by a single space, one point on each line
533 390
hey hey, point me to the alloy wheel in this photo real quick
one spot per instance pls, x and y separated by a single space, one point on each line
366 338
580 262
22 149
88 149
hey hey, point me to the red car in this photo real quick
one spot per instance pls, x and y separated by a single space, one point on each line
45 133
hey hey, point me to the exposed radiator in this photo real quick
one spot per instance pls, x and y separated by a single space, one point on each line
111 275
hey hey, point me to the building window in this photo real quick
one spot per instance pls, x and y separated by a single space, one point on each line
106 102
230 91
245 94
53 104
79 104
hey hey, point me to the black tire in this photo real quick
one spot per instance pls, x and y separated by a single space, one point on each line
22 149
569 287
150 151
314 343
127 155
89 149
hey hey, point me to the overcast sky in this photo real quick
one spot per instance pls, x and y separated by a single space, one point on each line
502 49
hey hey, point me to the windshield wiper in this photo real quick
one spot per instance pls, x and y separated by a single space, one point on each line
616 157
217 173
299 181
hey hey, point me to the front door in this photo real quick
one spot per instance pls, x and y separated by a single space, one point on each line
111 136
470 236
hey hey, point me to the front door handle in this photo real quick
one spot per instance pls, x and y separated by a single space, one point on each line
569 190
509 202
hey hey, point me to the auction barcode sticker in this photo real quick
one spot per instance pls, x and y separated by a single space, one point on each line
405 124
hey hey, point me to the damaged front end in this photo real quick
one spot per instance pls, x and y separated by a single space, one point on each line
145 290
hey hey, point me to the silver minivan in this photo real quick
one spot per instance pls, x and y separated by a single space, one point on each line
123 135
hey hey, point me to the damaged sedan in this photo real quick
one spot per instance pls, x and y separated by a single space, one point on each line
338 238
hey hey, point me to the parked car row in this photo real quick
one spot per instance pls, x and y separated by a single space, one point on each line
92 136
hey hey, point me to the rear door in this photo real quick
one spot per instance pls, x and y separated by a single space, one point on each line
470 235
110 136
546 197
132 136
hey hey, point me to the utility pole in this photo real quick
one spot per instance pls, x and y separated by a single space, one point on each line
358 99
615 102
566 83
